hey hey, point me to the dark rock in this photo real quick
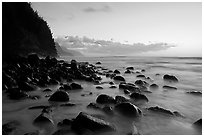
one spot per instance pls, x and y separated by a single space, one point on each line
154 86
194 92
130 68
157 74
67 87
99 87
119 78
141 83
113 86
68 105
141 76
76 86
137 72
74 65
16 93
39 107
98 63
85 121
111 83
105 99
126 91
170 78
143 70
176 113
116 71
120 99
65 122
162 110
9 127
47 90
59 96
43 118
127 71
94 106
198 123
138 96
129 86
169 87
128 109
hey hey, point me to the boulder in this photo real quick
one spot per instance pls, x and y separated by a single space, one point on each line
43 118
198 123
128 109
161 110
99 87
141 76
138 96
113 86
141 83
98 63
76 86
47 90
94 106
129 86
108 109
74 65
67 87
59 96
127 71
154 86
170 78
120 99
119 78
111 83
84 122
194 92
105 99
116 71
130 68
169 87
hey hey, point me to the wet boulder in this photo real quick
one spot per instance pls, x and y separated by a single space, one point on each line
59 96
143 70
99 87
169 87
127 71
113 86
116 71
120 99
126 91
119 78
98 63
170 78
141 76
141 83
161 110
194 92
138 96
128 109
129 86
76 86
67 87
130 68
65 122
43 118
111 83
94 106
74 65
105 99
47 90
198 123
84 122
154 86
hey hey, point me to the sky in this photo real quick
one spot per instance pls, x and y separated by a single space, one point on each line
128 24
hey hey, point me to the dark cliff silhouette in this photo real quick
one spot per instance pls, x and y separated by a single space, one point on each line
24 32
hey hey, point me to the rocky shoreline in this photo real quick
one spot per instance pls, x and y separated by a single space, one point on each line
29 73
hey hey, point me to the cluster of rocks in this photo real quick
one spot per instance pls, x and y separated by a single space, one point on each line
32 72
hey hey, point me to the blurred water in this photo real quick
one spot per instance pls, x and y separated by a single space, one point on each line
187 70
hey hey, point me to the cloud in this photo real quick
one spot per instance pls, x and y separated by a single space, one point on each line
103 47
105 8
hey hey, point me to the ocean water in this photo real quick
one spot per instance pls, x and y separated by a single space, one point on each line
187 70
